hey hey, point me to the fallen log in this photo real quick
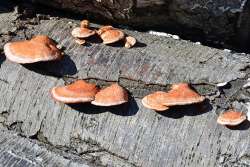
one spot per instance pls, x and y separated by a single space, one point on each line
216 21
128 135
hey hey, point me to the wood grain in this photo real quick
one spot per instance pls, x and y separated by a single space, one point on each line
127 135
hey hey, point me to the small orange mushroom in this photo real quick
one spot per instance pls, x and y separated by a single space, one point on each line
129 42
79 32
110 34
231 118
77 92
111 96
39 48
84 24
181 94
152 101
104 29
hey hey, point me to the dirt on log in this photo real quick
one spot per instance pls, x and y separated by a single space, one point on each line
223 22
127 135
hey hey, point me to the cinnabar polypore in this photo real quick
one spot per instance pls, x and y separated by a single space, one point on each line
181 94
129 42
231 118
111 96
110 34
152 101
39 48
104 29
79 32
77 92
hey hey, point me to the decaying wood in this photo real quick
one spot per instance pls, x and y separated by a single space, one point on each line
127 135
223 21
19 152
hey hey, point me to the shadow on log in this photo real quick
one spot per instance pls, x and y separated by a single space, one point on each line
127 109
243 126
2 59
57 69
177 112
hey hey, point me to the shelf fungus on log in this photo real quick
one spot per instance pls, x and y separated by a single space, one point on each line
111 35
111 96
152 101
39 48
129 42
77 92
104 29
80 32
231 118
180 94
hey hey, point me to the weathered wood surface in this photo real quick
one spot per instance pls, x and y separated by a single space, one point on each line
128 135
16 151
223 20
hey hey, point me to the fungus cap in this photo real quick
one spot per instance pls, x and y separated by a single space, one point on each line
152 101
104 29
79 32
181 94
231 118
111 96
39 48
112 36
77 92
129 41
84 24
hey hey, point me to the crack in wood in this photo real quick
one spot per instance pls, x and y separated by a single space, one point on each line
98 149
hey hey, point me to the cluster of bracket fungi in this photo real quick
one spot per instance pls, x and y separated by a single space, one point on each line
108 34
42 48
83 92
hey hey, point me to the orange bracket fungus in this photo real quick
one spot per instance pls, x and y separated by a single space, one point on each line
79 32
129 42
111 96
104 29
181 94
152 101
77 92
110 34
39 48
82 32
231 118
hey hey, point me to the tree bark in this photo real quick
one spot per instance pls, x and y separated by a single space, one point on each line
127 135
223 21
19 152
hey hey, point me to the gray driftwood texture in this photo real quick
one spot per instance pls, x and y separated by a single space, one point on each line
127 135
220 20
20 152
